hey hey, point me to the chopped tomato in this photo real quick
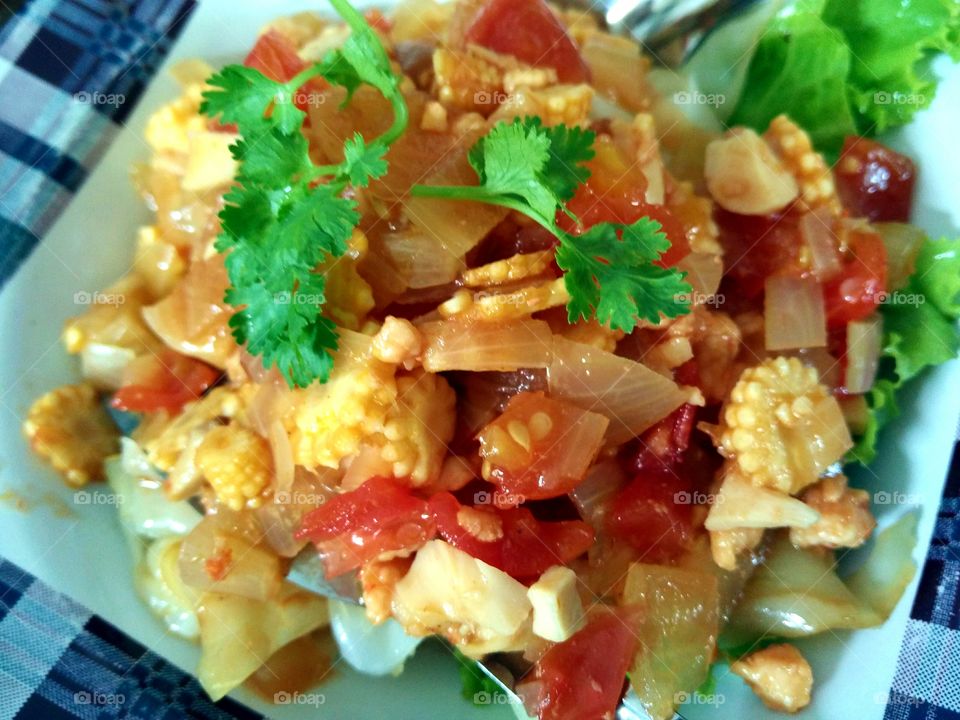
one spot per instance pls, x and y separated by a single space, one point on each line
377 20
664 444
540 447
510 539
757 247
653 514
167 383
859 287
616 193
276 57
874 181
528 30
582 678
378 517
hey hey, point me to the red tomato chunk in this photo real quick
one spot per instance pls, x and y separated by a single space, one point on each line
539 447
380 516
510 539
167 383
582 678
874 181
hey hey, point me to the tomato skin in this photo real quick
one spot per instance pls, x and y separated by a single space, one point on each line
653 514
378 517
582 678
861 283
874 181
171 381
616 193
274 56
528 30
664 444
527 547
755 248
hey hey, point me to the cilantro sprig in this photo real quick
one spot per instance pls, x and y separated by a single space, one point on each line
285 215
608 269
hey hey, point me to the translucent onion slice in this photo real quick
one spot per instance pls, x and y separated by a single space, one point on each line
593 495
816 229
632 395
421 258
864 344
793 314
480 346
704 271
902 242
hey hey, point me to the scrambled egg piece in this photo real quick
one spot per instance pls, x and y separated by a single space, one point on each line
812 174
330 421
468 81
169 128
779 675
845 518
417 429
559 104
781 427
238 465
71 430
726 546
397 342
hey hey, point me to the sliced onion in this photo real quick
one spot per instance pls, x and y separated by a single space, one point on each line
631 395
281 517
219 555
793 314
593 495
816 229
827 366
484 395
864 344
103 365
704 271
856 412
480 346
421 259
902 242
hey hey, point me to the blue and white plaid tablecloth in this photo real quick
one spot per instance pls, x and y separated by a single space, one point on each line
71 71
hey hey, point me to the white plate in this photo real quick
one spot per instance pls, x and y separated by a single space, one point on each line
81 551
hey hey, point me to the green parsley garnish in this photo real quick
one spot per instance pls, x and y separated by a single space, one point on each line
285 215
608 270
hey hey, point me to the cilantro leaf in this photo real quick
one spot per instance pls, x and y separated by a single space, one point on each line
287 216
608 272
474 682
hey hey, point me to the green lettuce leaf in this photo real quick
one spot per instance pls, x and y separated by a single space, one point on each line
920 330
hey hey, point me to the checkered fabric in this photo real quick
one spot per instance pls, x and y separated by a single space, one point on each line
927 683
71 71
60 662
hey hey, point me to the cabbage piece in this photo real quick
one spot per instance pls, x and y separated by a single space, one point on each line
796 593
143 507
158 581
238 634
371 649
678 636
884 577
